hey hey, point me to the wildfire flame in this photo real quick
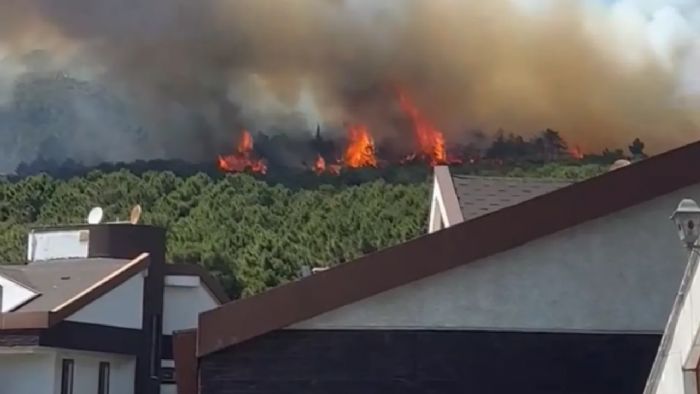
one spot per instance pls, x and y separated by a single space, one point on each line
576 152
430 140
360 149
241 159
319 165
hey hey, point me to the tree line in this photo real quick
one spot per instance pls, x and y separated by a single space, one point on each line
252 234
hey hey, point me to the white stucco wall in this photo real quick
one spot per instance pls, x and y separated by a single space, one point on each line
13 294
61 244
438 216
617 273
182 303
86 371
168 389
121 307
27 373
680 339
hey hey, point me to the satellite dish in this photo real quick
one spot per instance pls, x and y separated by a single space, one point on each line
95 216
135 214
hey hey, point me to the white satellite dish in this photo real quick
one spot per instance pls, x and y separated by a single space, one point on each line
95 215
135 214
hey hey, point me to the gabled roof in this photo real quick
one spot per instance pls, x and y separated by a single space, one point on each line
64 287
480 195
56 282
461 244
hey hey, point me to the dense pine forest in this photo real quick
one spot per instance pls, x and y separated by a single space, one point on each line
251 233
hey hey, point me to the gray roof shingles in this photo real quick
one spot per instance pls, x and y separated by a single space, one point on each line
480 195
58 281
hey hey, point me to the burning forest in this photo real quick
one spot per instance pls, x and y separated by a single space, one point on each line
98 81
428 146
360 151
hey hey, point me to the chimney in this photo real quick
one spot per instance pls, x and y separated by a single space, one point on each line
1 298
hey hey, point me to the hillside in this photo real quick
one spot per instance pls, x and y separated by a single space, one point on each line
251 233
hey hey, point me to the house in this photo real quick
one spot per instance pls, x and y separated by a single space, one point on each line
676 369
566 292
93 311
457 198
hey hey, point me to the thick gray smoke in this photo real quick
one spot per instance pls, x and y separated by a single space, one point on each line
179 78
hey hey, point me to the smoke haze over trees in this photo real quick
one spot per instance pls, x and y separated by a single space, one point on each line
108 80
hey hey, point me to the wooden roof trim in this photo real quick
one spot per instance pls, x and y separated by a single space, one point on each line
464 243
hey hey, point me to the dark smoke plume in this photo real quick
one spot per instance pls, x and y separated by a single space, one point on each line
180 78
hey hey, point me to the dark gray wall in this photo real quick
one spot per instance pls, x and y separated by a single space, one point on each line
406 362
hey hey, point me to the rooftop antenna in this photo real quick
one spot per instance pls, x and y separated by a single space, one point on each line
135 214
95 215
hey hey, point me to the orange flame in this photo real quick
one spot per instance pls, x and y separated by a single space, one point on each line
360 149
241 160
320 165
576 152
430 140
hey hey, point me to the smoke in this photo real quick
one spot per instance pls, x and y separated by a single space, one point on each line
188 75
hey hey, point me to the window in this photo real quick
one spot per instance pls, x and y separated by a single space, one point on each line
67 376
103 382
167 375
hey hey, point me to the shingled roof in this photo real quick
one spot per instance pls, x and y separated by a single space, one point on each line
460 244
480 195
58 281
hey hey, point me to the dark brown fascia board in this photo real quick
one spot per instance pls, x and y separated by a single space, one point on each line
464 243
24 320
196 270
448 195
46 319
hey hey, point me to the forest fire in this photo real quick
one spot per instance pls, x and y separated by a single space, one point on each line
241 160
321 167
430 140
360 150
576 152
430 148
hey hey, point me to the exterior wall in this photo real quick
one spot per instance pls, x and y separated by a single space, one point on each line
428 361
680 342
437 211
13 294
38 371
86 371
592 277
30 373
168 388
57 244
185 297
121 307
